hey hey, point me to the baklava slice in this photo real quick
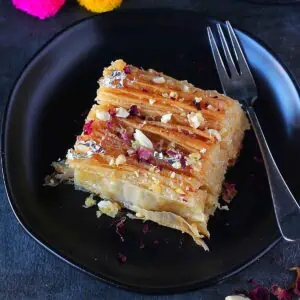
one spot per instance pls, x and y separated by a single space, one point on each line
158 147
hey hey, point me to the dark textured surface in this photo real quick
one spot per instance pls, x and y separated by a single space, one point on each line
29 272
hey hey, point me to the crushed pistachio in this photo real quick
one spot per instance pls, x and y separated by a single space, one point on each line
165 95
98 213
203 150
111 161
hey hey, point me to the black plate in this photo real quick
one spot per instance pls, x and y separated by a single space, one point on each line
45 112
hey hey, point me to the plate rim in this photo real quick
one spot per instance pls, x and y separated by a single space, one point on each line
60 254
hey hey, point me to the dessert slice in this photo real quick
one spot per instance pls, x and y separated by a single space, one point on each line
158 147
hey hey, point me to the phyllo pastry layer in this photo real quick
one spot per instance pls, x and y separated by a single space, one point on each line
158 147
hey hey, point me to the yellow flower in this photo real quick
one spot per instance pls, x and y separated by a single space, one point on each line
99 6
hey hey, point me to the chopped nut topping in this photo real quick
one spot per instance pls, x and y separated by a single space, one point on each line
173 174
152 101
89 202
198 99
173 95
136 173
176 165
210 107
181 99
185 88
215 133
121 159
122 112
166 118
102 115
158 80
203 150
165 95
193 159
195 119
112 162
142 139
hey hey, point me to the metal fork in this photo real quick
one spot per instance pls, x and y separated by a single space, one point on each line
239 84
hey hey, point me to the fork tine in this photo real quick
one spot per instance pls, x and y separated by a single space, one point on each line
223 75
243 65
227 53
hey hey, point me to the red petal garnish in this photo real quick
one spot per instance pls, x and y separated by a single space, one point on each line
173 154
259 293
112 112
109 124
229 192
124 135
296 286
281 293
87 128
156 242
120 228
146 228
122 258
133 111
127 70
144 90
144 154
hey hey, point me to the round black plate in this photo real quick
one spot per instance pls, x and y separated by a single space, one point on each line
46 110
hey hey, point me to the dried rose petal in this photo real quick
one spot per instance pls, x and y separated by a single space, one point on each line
109 124
259 293
144 90
133 111
112 112
146 228
281 293
87 128
156 242
120 228
127 70
144 154
296 286
229 192
124 135
122 258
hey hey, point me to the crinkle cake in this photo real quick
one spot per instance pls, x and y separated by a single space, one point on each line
156 146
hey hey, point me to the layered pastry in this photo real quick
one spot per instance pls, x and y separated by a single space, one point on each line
157 147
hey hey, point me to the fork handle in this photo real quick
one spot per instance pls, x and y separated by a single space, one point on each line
287 210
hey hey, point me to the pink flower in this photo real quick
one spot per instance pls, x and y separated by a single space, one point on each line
41 9
87 128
